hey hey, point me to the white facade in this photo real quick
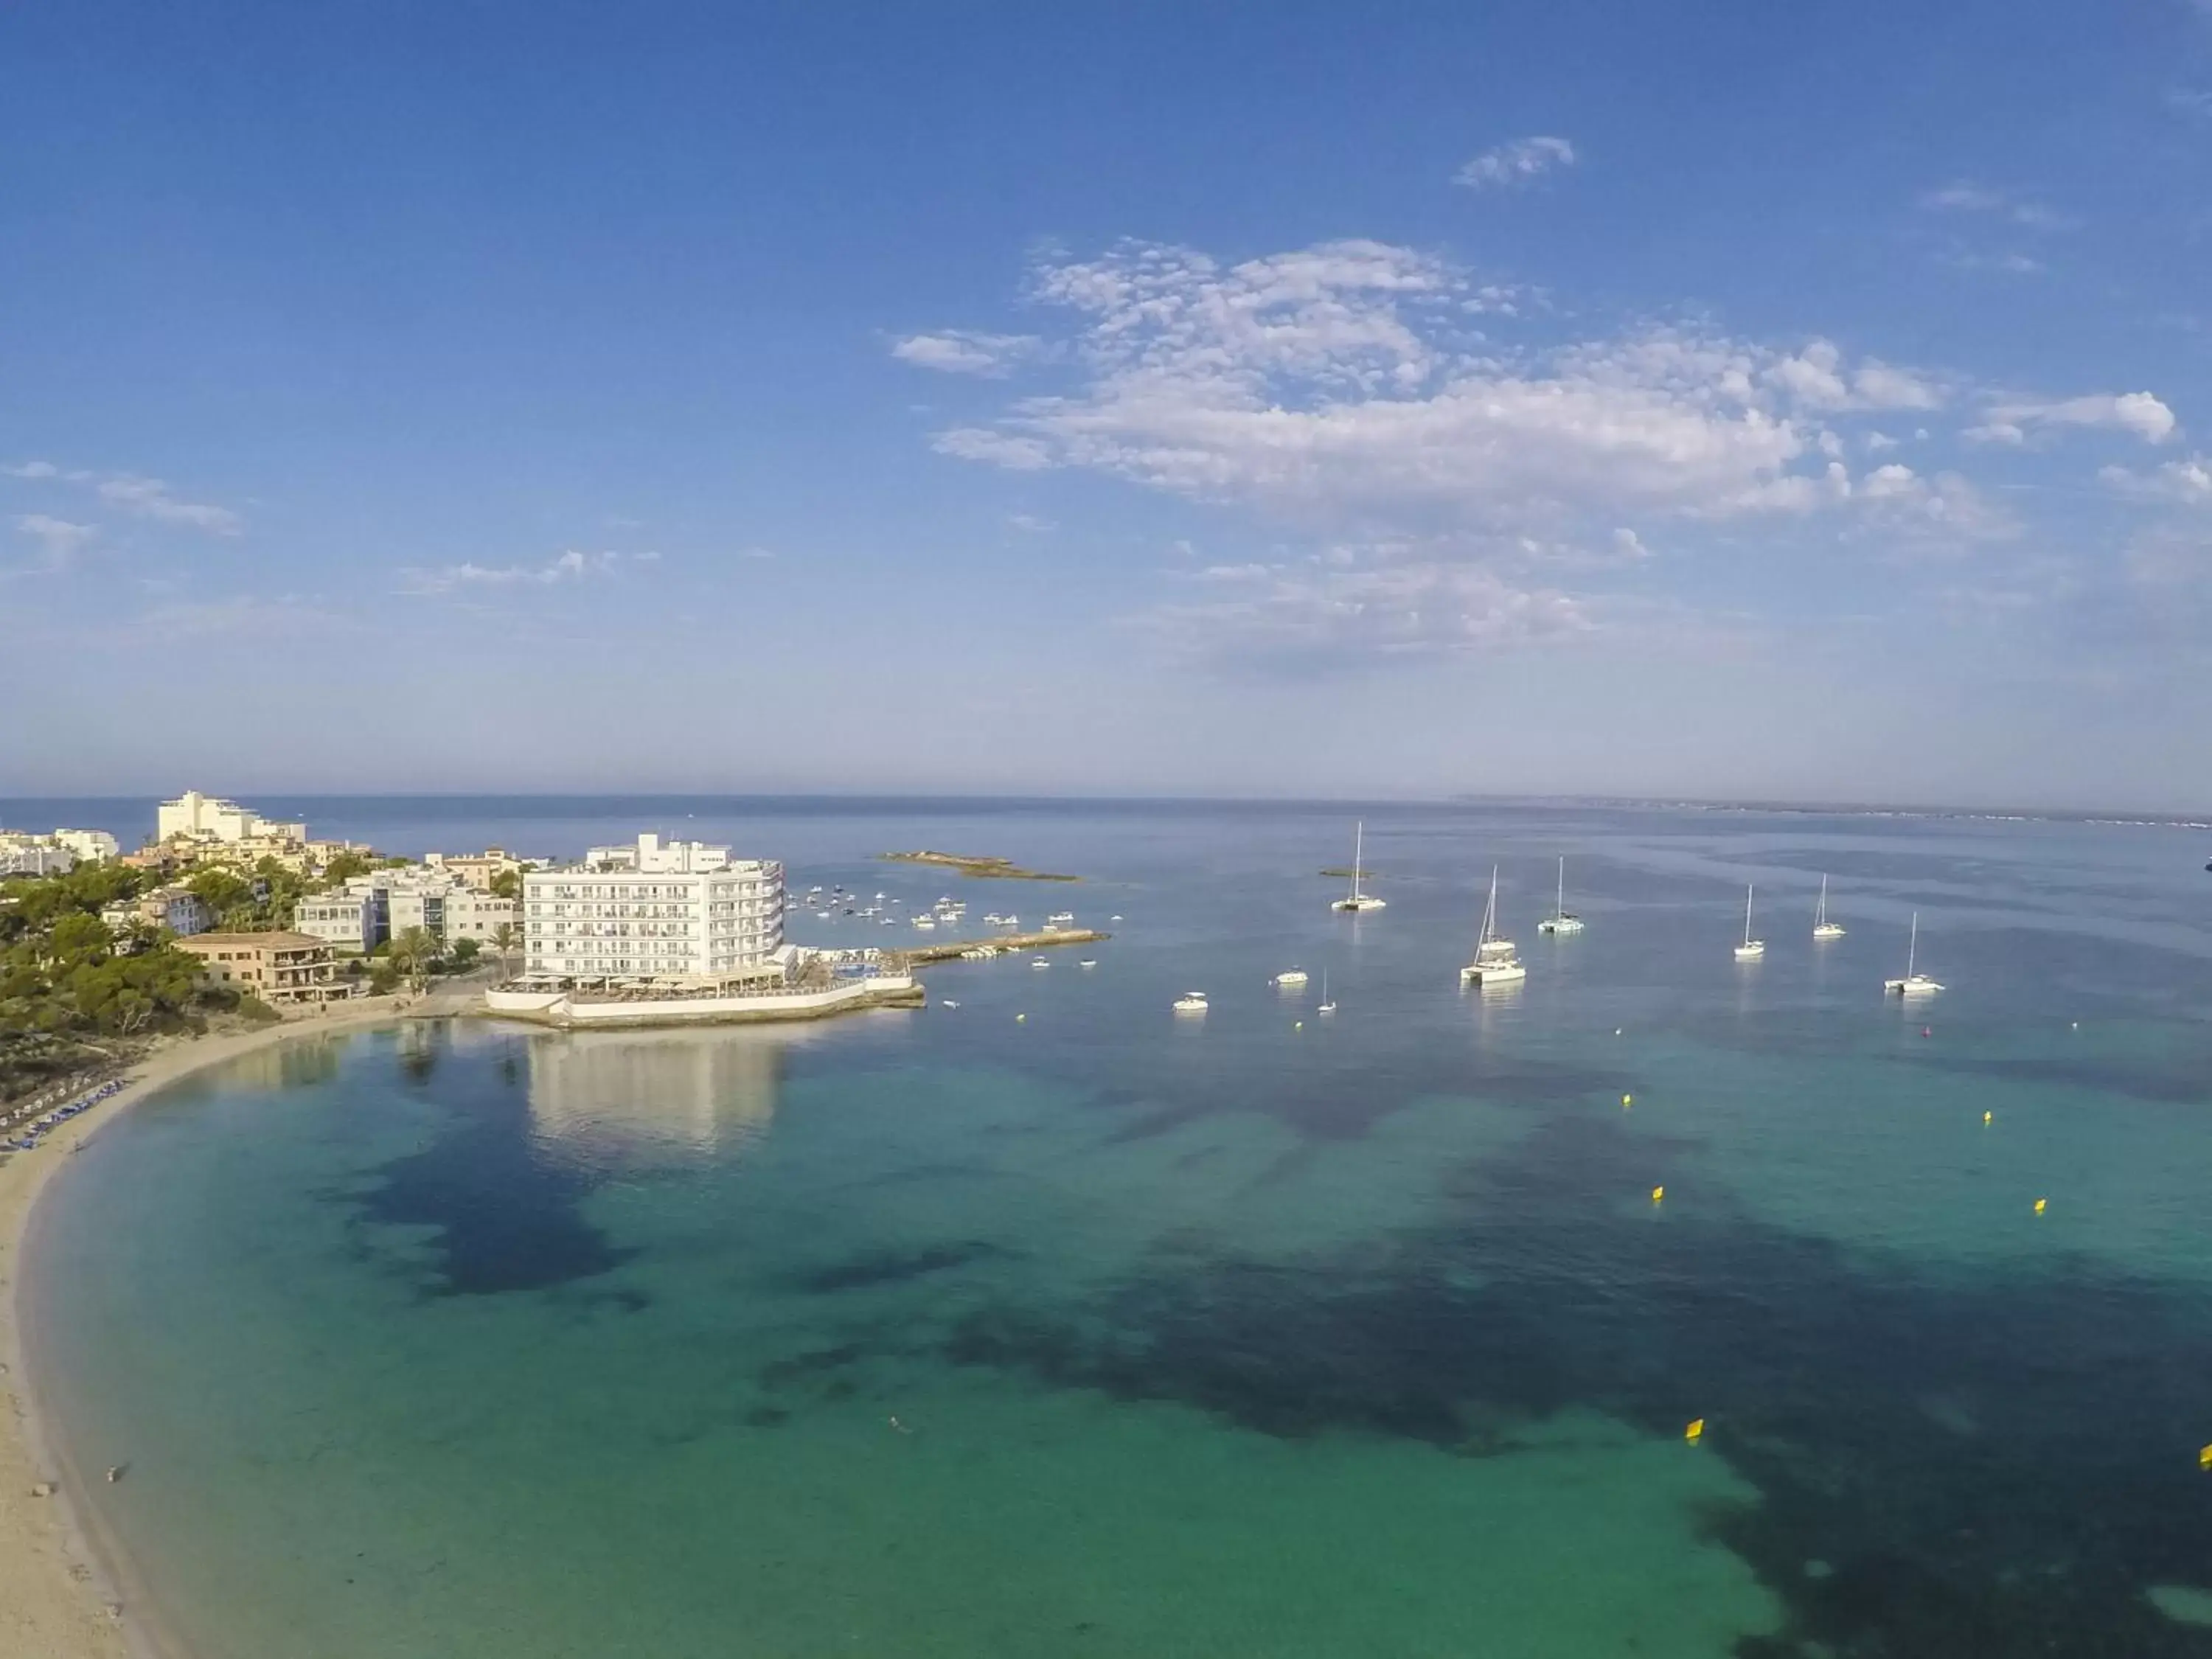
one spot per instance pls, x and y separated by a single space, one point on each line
205 818
23 853
350 922
90 846
676 910
470 913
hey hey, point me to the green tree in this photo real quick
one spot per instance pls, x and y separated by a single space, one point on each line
504 939
413 952
223 892
344 868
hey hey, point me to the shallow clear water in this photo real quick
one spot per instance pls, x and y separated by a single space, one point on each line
1102 1332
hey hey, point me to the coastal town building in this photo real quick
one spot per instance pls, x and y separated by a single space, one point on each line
279 968
479 870
177 908
195 816
671 910
23 853
352 922
385 903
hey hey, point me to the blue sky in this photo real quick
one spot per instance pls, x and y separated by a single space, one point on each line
1276 400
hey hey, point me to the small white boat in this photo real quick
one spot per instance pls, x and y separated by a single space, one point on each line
1088 962
1559 921
1495 962
923 922
1822 927
1914 984
1191 1002
949 1003
1010 922
1039 962
1113 918
1060 918
1751 949
1295 977
1327 1003
1357 900
992 918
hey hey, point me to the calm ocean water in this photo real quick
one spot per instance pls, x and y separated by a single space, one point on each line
1103 1333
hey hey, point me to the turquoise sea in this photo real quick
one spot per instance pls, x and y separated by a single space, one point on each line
1099 1332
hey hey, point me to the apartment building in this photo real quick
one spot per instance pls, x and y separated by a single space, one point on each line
657 910
280 968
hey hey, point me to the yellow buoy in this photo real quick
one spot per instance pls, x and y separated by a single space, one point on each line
2040 1203
1988 1116
1695 1431
2204 1458
1657 1194
1297 1025
1628 1100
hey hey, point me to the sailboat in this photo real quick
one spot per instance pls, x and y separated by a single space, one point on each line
1751 949
1822 927
1559 921
1357 900
1495 963
1328 1002
1913 984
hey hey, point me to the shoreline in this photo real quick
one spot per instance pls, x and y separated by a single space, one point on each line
60 1582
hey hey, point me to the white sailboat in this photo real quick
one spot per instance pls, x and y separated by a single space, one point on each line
1357 900
1822 927
1559 921
1495 963
1914 984
1751 949
1328 1002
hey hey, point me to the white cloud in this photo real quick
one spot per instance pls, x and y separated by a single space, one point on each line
1878 442
970 443
32 470
570 566
149 498
1355 604
1630 545
59 541
961 351
1518 163
1967 196
1029 523
2188 483
1326 386
2137 412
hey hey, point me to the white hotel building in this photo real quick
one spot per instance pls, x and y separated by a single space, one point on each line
658 910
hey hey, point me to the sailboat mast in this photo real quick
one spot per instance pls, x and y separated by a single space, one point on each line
1559 904
1358 847
1490 910
1912 947
1747 913
1820 919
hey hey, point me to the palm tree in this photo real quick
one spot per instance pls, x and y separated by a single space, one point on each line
504 939
412 952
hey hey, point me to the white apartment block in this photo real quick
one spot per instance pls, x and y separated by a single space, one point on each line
348 920
477 915
205 818
677 909
22 854
177 908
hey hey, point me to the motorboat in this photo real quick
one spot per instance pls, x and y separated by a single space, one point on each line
1191 1002
1751 949
1914 984
1039 962
1495 961
1356 900
1291 980
1560 921
1822 927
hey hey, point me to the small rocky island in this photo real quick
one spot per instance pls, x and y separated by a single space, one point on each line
988 868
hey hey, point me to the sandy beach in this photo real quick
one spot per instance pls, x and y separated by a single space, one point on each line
56 1599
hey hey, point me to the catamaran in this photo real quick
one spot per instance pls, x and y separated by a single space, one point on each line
1357 900
1913 984
1559 921
1751 949
1822 927
1495 963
